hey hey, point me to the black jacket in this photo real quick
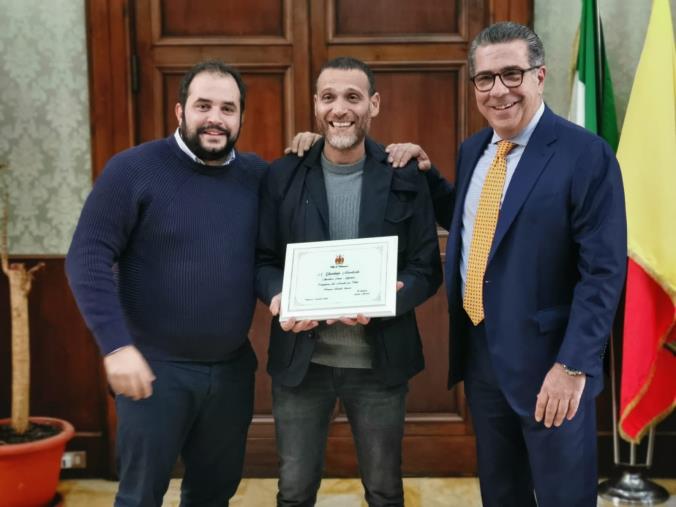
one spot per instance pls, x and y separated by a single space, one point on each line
294 209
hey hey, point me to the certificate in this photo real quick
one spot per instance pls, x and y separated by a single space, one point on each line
330 279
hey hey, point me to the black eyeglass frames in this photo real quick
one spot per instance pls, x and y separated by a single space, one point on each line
511 78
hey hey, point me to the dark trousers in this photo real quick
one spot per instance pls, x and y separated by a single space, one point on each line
302 416
521 462
200 411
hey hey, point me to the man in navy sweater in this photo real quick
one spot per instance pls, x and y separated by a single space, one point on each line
162 268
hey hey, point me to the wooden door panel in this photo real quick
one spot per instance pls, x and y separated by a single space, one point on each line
393 18
265 127
259 333
226 18
420 103
427 390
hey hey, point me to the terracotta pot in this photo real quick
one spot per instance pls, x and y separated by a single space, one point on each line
29 472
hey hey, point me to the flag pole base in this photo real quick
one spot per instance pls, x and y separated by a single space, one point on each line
633 489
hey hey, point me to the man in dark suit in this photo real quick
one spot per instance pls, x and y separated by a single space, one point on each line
344 188
535 263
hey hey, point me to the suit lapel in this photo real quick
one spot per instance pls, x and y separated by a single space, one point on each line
375 190
533 161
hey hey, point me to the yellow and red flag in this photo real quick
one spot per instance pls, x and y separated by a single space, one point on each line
647 156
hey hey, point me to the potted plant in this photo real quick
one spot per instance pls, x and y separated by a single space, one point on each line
30 448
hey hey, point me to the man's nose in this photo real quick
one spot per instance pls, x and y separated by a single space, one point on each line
339 107
499 88
214 116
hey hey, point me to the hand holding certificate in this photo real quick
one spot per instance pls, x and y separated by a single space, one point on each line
333 279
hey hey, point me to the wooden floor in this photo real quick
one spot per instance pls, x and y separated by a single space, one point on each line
419 492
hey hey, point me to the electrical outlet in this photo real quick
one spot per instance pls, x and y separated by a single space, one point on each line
74 459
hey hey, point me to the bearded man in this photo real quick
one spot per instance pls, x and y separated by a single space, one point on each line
162 268
344 188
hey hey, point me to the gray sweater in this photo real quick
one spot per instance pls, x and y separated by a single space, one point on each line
340 345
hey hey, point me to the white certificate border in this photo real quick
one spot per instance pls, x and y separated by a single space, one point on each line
386 308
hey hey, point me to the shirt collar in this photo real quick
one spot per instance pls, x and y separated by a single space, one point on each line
184 148
521 139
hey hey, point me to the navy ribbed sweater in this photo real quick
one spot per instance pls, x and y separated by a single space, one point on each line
163 254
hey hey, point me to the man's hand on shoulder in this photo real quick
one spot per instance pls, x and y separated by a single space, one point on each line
559 396
128 373
301 143
401 153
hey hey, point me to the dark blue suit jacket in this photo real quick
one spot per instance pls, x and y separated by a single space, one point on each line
557 264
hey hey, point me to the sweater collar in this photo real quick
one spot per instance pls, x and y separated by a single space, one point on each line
193 163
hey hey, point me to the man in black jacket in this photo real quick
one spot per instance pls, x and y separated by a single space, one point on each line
344 188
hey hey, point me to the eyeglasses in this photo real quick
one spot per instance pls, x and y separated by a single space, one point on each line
511 78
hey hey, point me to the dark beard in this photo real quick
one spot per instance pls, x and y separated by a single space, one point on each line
193 143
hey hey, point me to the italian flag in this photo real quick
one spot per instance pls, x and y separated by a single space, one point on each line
647 156
592 104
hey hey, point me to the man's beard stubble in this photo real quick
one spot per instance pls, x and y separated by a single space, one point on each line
345 141
195 146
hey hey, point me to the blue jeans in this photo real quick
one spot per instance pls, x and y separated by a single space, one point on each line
302 416
200 411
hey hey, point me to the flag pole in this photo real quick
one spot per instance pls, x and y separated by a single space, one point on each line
631 486
598 64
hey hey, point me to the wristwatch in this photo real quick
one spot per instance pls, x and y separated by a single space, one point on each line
571 372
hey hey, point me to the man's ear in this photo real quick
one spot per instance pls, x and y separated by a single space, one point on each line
178 110
542 73
374 104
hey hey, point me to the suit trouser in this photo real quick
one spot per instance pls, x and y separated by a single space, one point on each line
200 411
518 456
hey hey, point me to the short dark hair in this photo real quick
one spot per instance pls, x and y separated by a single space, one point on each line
507 31
213 67
349 63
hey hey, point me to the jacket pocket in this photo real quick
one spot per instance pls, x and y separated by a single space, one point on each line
282 347
401 201
553 318
400 209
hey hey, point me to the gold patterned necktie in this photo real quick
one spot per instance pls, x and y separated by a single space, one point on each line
484 230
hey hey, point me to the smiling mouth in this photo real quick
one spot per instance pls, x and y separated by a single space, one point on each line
341 124
213 131
504 107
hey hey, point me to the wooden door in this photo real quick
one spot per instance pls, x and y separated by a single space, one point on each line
418 53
